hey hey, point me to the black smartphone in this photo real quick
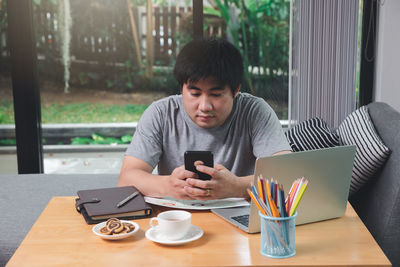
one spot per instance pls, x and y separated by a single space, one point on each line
193 158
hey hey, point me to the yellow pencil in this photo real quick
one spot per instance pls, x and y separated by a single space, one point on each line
260 189
298 198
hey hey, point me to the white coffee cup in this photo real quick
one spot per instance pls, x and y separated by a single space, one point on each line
172 225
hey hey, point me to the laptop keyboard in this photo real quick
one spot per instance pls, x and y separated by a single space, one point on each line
242 219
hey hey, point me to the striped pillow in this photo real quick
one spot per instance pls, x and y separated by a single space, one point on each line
371 153
311 134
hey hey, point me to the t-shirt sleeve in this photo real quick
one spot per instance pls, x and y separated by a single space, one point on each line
267 133
147 140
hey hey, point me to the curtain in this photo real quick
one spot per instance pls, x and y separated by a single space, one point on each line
323 60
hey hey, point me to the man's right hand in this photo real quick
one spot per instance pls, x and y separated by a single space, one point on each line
138 173
176 182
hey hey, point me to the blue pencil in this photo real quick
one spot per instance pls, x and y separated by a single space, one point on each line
272 190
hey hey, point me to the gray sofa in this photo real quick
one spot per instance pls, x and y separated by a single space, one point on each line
23 197
378 202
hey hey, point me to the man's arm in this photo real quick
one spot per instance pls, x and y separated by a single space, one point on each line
282 152
138 173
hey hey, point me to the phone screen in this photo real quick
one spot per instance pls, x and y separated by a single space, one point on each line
193 158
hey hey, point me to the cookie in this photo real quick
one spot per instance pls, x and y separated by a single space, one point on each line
105 231
125 230
115 227
130 226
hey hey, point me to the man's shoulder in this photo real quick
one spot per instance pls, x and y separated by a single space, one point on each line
168 100
161 111
167 103
248 100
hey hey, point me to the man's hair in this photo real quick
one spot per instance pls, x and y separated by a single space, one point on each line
210 57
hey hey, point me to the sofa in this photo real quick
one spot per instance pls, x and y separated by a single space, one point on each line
378 202
23 197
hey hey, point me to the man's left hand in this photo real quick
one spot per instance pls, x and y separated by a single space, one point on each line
223 184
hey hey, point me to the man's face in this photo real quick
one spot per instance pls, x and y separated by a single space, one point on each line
207 102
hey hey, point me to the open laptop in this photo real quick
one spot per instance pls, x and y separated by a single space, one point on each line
328 171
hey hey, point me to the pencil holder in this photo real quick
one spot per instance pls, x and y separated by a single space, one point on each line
278 236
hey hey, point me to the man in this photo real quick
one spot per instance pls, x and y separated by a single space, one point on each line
210 114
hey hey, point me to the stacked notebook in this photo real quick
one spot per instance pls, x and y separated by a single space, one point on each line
97 205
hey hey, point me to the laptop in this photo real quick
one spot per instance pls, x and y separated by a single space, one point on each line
328 171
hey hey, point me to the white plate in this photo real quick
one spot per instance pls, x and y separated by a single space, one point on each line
193 234
97 227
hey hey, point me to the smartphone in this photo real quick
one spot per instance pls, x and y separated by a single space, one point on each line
193 158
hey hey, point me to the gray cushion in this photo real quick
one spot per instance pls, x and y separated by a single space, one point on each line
358 129
23 198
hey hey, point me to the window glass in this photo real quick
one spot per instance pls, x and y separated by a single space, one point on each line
8 157
101 63
260 29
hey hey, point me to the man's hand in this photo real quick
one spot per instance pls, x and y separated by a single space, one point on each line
176 183
138 173
222 185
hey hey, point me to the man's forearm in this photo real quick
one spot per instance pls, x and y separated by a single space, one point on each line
148 184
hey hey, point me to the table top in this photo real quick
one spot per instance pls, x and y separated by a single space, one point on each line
61 237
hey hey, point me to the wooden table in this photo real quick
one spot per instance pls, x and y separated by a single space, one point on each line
61 237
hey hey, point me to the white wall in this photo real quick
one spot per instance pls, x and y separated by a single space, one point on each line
387 76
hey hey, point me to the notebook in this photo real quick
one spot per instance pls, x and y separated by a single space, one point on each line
328 171
97 205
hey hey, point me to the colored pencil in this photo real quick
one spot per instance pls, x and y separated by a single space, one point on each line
256 202
298 198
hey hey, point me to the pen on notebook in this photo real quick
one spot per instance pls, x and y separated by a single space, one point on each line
127 199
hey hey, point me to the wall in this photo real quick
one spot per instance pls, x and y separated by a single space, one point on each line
387 84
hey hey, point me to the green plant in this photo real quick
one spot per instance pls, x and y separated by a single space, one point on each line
260 30
8 142
3 15
78 112
2 118
6 112
101 140
126 138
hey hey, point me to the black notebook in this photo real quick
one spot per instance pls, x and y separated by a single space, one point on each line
97 205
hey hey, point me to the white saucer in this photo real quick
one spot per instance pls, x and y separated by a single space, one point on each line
193 234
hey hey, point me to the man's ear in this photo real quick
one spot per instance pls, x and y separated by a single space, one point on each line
237 91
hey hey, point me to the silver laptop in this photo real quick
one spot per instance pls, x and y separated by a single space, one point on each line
328 171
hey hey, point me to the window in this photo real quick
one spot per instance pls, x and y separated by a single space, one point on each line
260 30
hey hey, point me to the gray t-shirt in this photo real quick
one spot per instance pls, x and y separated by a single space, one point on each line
165 132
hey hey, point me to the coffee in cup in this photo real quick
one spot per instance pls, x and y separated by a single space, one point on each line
172 225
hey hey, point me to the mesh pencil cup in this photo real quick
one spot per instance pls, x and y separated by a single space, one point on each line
278 236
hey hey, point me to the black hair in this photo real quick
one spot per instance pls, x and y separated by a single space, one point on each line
209 57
